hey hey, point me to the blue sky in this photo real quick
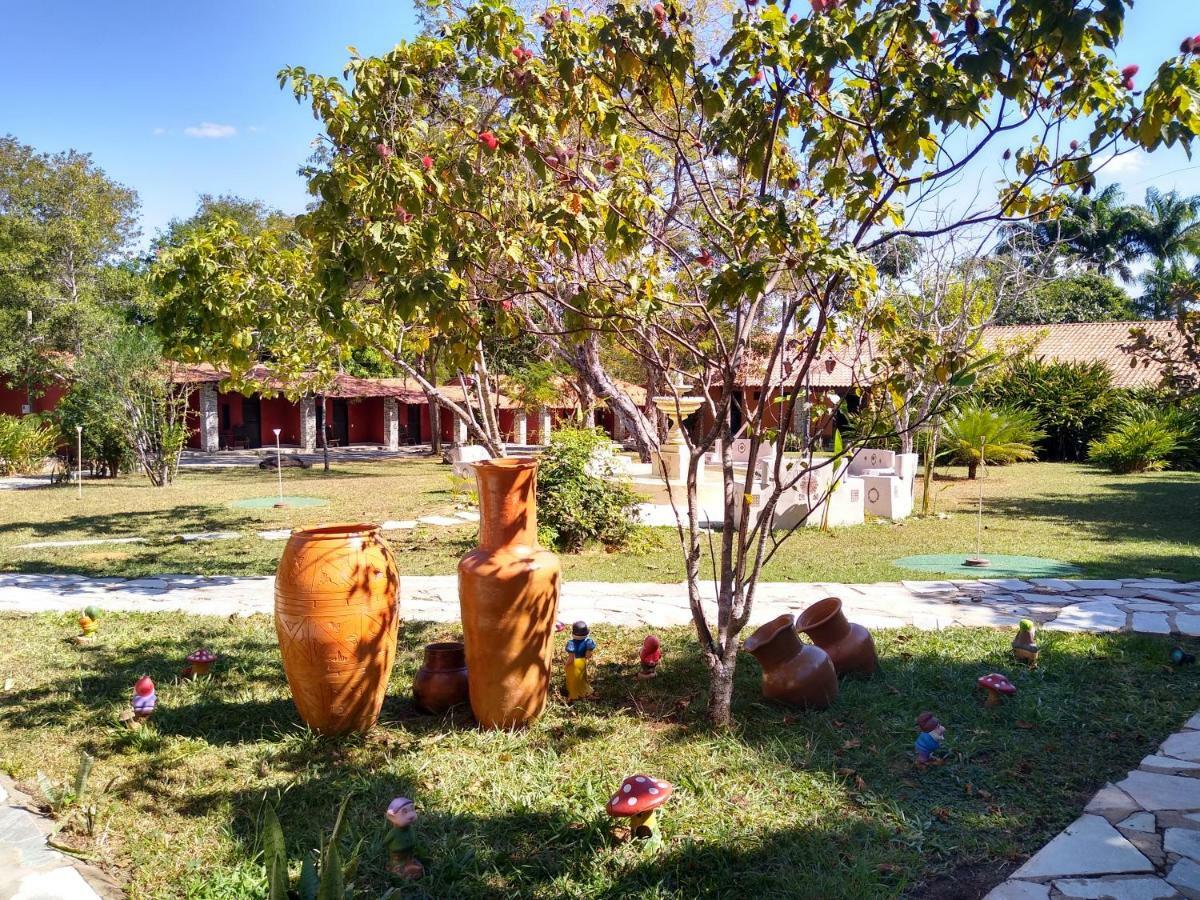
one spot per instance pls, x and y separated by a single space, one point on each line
178 99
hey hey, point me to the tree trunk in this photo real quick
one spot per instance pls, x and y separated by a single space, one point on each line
591 371
720 692
931 450
972 469
435 425
321 436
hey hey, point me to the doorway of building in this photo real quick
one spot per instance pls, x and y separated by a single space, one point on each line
252 421
339 425
414 424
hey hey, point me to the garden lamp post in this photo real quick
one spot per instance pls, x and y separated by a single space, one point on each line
279 467
79 461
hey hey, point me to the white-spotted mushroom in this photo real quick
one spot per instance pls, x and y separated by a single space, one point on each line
637 799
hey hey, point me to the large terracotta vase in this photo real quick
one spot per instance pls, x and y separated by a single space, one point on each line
336 616
441 682
850 646
793 672
508 590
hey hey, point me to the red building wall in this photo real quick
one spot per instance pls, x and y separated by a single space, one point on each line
281 413
45 399
193 420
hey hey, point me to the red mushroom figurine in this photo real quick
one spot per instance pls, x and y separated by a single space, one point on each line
996 685
638 797
200 662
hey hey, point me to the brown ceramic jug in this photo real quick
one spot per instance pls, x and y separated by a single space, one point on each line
508 591
336 616
441 682
793 672
850 646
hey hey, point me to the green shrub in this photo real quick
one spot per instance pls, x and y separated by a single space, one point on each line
1148 438
1135 447
1073 403
25 443
105 446
975 434
579 498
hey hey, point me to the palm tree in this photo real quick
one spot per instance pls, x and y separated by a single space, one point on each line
1100 233
1171 228
976 434
1171 235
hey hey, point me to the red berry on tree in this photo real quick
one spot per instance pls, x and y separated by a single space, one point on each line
427 161
1129 71
383 151
506 305
489 140
1188 45
794 18
660 13
705 259
756 77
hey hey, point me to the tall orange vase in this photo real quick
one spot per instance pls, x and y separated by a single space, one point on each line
508 590
336 615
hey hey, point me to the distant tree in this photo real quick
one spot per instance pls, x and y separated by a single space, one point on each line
1083 297
64 226
1101 233
251 217
1168 290
1170 231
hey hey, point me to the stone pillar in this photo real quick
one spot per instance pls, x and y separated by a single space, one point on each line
391 423
545 424
618 427
460 431
308 424
520 427
210 435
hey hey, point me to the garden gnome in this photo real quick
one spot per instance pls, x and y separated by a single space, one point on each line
579 650
651 656
1024 645
401 840
144 701
929 741
1181 657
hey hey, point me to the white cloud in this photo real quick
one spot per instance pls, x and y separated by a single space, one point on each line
210 130
254 129
1124 165
159 132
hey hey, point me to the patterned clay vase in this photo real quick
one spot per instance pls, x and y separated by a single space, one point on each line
850 646
336 616
508 591
793 672
441 682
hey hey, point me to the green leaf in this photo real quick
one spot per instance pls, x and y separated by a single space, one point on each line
274 855
309 883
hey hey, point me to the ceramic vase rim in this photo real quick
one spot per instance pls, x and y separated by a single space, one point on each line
804 625
768 631
334 532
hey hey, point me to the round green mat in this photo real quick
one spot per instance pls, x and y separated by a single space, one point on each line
1002 566
268 502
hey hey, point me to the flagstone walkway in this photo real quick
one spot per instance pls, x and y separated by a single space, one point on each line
32 870
1150 606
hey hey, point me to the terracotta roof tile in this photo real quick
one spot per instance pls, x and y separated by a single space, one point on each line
1085 342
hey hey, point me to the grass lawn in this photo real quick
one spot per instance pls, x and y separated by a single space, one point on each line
1109 525
788 804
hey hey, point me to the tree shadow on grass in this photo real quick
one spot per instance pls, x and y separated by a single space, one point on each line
1123 507
1016 775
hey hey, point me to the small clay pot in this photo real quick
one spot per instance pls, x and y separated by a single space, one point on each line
850 646
793 672
441 682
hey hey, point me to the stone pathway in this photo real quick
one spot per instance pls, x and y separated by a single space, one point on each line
1151 606
1138 838
32 870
